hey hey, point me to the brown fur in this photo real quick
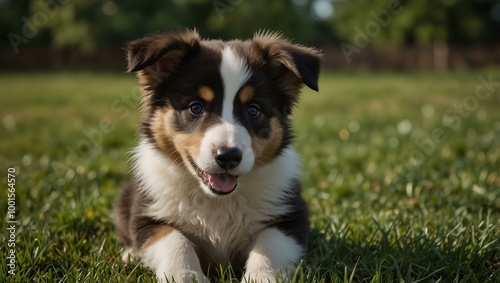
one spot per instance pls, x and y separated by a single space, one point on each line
266 149
163 133
160 233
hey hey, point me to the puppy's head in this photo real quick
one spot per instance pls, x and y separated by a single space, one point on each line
220 108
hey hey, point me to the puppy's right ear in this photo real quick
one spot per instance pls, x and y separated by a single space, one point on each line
155 57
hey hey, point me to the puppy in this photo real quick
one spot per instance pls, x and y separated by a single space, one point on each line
215 177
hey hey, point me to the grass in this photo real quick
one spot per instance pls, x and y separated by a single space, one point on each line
402 182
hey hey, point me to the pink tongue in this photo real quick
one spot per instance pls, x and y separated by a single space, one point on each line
223 183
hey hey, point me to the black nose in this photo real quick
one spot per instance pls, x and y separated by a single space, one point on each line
228 157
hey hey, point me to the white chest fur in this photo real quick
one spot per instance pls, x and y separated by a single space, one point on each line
224 223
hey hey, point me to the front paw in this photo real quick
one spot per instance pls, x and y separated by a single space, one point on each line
273 257
174 259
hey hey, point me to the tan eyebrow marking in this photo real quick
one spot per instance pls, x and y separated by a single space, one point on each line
246 94
206 93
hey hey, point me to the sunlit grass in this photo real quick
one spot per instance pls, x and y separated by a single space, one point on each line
390 199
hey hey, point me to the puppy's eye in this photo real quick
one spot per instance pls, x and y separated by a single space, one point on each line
253 110
196 108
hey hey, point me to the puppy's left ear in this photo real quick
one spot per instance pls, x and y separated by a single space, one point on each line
293 64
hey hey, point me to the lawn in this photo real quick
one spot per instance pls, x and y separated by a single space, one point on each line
401 174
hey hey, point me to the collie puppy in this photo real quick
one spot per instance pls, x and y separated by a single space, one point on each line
215 176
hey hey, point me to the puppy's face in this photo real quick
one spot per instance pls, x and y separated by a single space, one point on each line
220 108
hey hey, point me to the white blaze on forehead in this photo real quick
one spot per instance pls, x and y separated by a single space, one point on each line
234 73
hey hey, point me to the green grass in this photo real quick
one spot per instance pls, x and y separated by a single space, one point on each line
395 194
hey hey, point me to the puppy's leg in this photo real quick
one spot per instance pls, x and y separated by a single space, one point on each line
273 252
172 256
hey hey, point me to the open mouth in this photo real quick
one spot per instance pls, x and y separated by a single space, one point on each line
218 183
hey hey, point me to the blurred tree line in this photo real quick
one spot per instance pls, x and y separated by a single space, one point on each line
88 24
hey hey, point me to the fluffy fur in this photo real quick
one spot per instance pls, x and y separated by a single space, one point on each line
215 177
